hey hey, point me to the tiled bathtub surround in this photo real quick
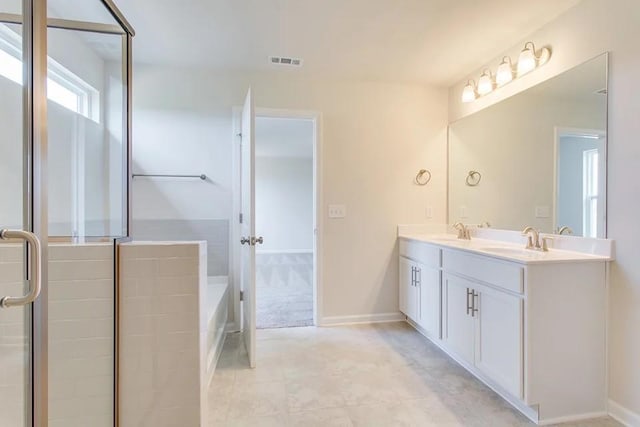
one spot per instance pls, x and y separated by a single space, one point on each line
164 331
214 231
80 335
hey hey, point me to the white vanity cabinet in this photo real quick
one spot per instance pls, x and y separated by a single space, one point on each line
483 327
409 293
533 329
420 286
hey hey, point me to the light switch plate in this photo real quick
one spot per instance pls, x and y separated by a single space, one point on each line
464 212
337 211
429 212
543 212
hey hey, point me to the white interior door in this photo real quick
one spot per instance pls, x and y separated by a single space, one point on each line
248 228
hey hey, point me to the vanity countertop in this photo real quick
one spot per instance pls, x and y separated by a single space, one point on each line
504 250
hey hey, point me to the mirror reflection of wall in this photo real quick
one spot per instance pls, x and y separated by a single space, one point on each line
541 154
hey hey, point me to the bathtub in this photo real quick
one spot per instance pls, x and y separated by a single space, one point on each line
217 297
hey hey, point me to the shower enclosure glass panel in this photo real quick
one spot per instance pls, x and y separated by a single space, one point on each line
15 322
87 138
86 133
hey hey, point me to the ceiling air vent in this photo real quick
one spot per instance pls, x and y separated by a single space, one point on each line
283 60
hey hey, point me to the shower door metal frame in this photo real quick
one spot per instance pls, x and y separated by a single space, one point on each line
35 24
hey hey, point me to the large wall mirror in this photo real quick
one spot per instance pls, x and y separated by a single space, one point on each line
537 158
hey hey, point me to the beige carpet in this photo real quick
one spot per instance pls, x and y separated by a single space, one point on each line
284 290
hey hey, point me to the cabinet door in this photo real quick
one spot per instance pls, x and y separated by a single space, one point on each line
499 346
428 281
458 328
405 285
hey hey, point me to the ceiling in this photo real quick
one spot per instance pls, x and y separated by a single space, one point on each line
277 137
416 41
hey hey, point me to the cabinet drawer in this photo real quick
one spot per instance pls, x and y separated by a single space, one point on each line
424 253
506 275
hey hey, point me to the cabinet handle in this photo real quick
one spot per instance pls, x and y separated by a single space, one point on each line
474 310
413 276
418 276
469 308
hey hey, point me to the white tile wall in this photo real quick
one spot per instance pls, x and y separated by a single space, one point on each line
13 346
81 331
163 334
80 335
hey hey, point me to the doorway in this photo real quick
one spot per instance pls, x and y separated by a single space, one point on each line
284 260
284 218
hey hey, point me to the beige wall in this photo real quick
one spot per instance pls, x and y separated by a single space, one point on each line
375 139
589 29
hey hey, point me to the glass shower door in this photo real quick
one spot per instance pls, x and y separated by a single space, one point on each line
58 361
20 254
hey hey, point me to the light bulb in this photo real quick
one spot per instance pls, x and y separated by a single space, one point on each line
469 92
485 84
527 59
505 72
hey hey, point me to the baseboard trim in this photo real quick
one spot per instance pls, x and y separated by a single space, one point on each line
285 251
572 418
623 415
358 319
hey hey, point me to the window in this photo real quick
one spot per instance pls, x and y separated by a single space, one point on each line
63 86
590 193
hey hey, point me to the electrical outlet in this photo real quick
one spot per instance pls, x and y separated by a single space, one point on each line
543 212
429 212
464 212
337 211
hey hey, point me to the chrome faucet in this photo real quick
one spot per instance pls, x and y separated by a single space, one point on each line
564 230
463 231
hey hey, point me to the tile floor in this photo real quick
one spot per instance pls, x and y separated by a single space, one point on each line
284 290
382 375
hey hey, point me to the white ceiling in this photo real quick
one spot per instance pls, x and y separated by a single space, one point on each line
419 41
277 137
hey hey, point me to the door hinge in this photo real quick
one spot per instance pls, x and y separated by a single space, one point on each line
240 217
241 295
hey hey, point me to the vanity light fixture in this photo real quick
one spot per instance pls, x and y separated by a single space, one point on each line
469 93
505 71
529 59
485 84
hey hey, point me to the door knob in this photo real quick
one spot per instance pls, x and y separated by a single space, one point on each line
245 241
257 240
